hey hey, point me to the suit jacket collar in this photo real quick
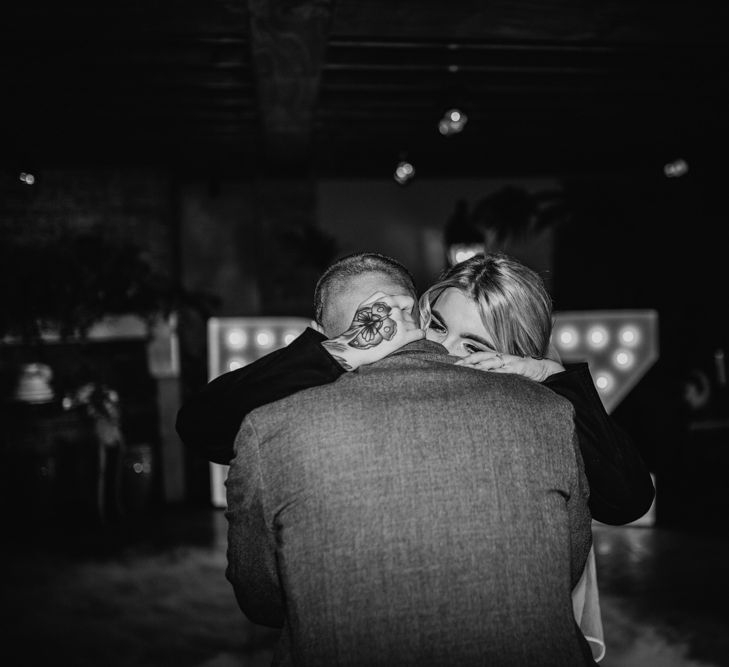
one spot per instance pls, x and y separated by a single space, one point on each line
422 346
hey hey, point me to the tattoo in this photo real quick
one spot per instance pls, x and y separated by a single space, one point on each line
333 346
342 362
371 325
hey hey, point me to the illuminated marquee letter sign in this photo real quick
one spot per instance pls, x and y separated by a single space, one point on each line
619 347
234 342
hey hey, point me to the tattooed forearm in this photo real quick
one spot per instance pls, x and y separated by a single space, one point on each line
333 347
342 362
371 325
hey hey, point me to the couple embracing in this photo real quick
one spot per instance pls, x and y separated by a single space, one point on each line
413 483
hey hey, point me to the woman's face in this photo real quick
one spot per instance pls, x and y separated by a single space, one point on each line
456 324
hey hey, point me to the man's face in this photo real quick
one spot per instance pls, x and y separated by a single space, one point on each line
343 299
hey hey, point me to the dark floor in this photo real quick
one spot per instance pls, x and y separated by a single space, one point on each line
151 592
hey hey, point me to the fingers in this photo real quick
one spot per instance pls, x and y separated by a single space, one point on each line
534 369
404 319
486 365
476 357
485 361
404 302
401 307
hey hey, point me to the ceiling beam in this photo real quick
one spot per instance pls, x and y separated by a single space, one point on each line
288 44
698 21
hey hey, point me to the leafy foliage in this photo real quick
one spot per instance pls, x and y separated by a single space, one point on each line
509 213
70 282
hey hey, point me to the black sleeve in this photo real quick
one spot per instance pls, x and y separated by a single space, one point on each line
209 421
621 488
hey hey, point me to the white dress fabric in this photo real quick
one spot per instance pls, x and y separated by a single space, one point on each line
586 607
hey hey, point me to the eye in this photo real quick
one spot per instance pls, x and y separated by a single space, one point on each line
436 326
470 348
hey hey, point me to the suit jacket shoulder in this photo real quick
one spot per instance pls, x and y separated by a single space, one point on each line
428 497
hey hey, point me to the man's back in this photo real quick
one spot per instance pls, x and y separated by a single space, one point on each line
413 513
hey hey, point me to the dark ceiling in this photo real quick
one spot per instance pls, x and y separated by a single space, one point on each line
347 87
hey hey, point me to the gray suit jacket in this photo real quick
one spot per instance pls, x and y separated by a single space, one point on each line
412 513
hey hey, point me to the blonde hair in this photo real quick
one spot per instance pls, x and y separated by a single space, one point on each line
514 305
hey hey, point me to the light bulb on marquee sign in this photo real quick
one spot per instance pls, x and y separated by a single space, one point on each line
234 342
619 347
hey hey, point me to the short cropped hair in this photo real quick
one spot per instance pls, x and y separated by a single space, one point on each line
514 305
355 265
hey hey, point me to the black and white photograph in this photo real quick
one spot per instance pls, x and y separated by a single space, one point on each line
364 334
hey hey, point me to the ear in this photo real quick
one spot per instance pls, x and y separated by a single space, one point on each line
317 327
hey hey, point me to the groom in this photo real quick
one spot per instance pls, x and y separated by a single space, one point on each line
209 421
621 489
412 513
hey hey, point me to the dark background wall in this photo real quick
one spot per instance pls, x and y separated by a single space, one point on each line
122 203
117 206
634 240
408 222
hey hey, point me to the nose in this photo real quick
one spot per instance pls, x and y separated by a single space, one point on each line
448 341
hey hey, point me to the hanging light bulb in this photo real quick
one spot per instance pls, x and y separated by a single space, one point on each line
675 169
404 172
453 122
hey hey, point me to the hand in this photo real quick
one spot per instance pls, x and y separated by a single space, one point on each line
382 324
553 354
498 362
